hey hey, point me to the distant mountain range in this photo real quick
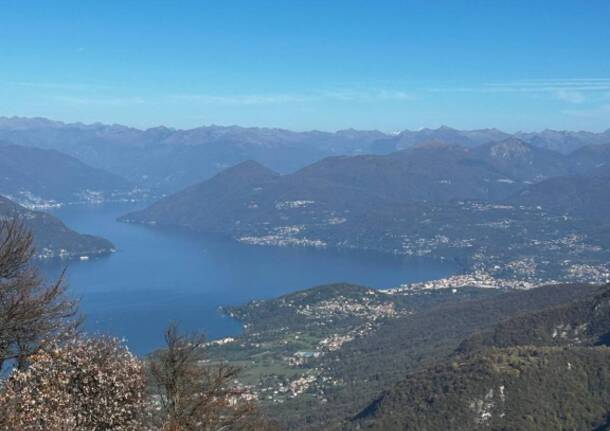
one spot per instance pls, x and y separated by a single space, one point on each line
52 238
510 204
168 160
561 141
38 178
510 207
524 206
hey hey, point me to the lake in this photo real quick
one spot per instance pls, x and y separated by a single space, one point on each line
160 275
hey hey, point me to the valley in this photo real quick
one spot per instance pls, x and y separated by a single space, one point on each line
422 262
305 216
174 274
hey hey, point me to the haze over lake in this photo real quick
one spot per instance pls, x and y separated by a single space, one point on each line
159 275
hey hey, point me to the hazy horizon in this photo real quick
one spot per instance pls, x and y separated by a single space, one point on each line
268 127
303 66
305 215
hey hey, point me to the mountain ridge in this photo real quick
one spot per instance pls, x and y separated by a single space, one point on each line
35 176
170 159
52 238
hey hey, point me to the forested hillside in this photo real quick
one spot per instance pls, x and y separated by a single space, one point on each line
42 178
510 209
543 370
318 357
51 237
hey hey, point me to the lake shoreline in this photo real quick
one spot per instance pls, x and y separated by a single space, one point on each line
159 275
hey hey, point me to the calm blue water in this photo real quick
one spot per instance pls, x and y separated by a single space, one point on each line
161 275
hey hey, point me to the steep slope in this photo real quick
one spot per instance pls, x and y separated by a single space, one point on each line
215 205
51 237
35 176
564 141
545 370
522 161
585 322
520 388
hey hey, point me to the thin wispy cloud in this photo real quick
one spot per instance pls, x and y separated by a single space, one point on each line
241 99
534 83
572 90
59 86
602 111
287 98
572 96
83 94
100 101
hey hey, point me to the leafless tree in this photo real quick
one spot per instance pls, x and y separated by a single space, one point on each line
194 395
31 312
64 381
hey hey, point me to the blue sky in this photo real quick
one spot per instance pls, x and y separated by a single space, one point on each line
327 65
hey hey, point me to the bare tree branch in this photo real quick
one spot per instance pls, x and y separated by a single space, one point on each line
31 312
197 396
